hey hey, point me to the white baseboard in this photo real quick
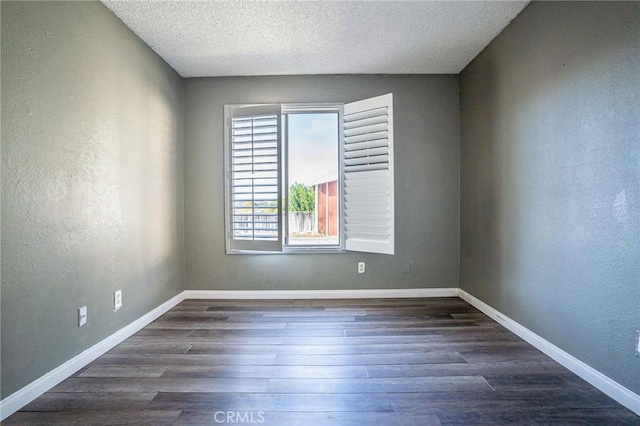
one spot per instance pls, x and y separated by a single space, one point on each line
321 294
610 387
19 399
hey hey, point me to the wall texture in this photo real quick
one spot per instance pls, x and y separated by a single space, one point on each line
550 178
426 114
91 182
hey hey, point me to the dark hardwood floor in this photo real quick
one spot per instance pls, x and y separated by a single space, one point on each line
324 362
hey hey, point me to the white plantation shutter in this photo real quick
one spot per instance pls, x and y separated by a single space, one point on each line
368 175
253 178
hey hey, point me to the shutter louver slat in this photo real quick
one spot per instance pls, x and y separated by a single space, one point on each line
372 151
366 167
368 137
367 160
373 128
368 175
367 121
366 113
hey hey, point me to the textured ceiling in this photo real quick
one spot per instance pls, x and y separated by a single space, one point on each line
233 38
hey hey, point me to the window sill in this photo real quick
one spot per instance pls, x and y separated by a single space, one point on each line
291 250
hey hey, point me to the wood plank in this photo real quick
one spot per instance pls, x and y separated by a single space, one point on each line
269 371
420 331
373 402
251 332
165 333
369 385
358 340
391 348
101 417
280 418
466 369
164 384
121 371
521 381
386 325
194 359
66 401
310 314
243 328
203 317
369 359
480 402
151 348
538 415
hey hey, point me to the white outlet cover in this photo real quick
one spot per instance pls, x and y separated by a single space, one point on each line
117 300
361 267
82 316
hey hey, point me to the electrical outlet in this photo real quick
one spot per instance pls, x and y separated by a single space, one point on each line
117 300
361 267
82 316
638 343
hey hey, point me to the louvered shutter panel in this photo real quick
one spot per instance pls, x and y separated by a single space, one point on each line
254 170
368 175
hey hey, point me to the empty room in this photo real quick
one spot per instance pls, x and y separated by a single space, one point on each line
320 212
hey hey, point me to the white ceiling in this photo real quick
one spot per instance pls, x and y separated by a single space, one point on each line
233 38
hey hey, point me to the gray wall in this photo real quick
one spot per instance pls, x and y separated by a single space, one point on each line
550 160
426 113
91 182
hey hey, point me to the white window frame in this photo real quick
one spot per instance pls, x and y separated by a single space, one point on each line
358 230
310 108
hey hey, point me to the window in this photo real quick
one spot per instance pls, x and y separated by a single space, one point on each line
311 176
303 178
